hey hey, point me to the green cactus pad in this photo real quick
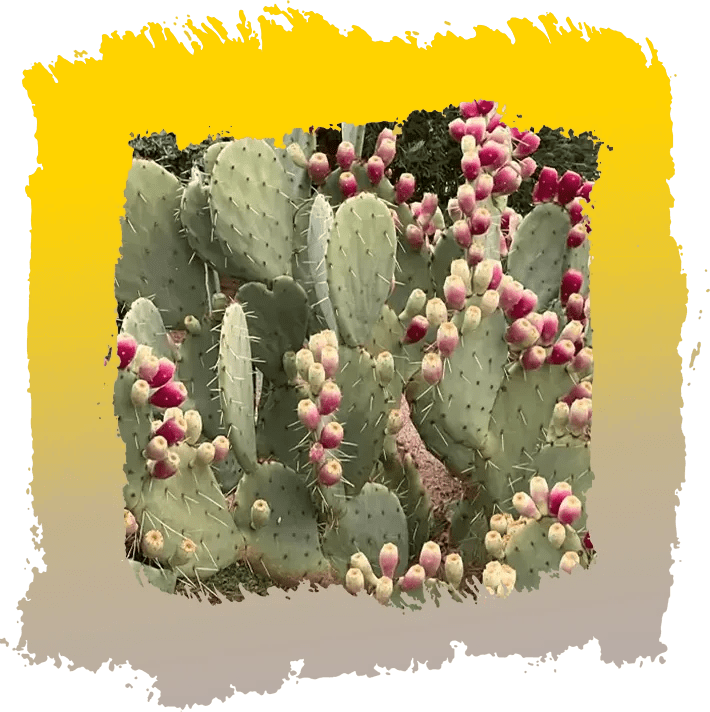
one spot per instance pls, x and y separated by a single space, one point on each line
529 552
462 401
210 156
360 262
523 408
278 321
287 546
133 425
299 180
363 413
539 250
145 324
156 259
372 518
320 225
197 369
190 504
162 579
252 211
469 526
234 368
197 222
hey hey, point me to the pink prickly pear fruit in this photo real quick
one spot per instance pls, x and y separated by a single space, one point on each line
415 237
521 333
496 275
469 145
329 398
454 210
539 493
499 523
455 292
167 467
457 129
550 324
157 448
498 133
562 352
345 155
569 560
524 305
375 169
385 135
430 558
476 127
330 473
470 165
527 167
304 360
528 143
126 348
494 123
130 522
318 168
315 345
469 109
485 107
389 558
572 281
546 187
152 544
171 395
316 454
489 302
466 197
570 510
221 448
503 247
471 319
575 307
533 358
585 191
436 312
510 294
347 184
587 541
404 189
583 361
413 579
575 211
416 330
316 377
332 435
577 236
476 253
432 368
416 301
525 505
308 414
483 186
387 150
493 154
495 546
461 269
558 494
164 374
462 233
430 202
572 331
480 221
330 360
148 368
205 454
383 590
580 390
447 339
173 430
580 413
536 320
567 187
507 179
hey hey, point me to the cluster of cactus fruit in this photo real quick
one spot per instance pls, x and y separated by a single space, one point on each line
351 299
